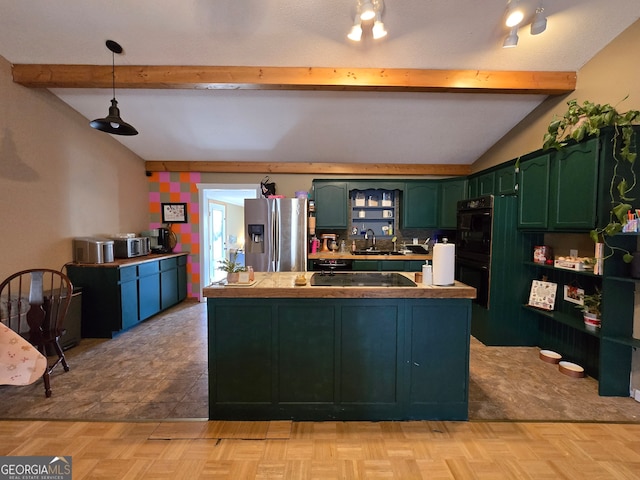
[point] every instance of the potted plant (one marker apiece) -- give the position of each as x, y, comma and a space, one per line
232, 267
587, 120
591, 309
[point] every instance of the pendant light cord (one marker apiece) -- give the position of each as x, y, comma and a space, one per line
113, 73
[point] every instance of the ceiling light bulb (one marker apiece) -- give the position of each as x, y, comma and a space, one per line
512, 39
515, 14
356, 33
378, 30
539, 23
367, 12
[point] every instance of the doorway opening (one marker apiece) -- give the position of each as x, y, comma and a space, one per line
221, 226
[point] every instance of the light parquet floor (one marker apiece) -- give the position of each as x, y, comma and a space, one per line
332, 450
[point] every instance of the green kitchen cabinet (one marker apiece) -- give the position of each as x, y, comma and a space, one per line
338, 359
573, 187
505, 180
450, 192
533, 194
499, 180
387, 265
148, 289
331, 200
568, 190
365, 265
618, 343
426, 384
117, 296
472, 186
128, 292
181, 272
486, 183
413, 265
420, 204
169, 289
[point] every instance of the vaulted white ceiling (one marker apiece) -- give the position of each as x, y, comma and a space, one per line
307, 126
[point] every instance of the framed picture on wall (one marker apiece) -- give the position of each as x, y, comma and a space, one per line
174, 212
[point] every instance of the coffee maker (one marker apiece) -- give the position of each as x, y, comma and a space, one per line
164, 239
160, 239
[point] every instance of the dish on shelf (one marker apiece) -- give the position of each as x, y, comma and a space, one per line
550, 356
571, 369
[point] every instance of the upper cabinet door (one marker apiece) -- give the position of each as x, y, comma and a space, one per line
506, 181
574, 182
486, 184
420, 204
450, 192
533, 195
331, 200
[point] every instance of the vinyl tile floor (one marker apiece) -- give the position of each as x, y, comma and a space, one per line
158, 371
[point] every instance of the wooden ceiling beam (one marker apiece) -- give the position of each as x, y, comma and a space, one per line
294, 78
404, 169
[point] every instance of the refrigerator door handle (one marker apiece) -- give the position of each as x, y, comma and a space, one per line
275, 236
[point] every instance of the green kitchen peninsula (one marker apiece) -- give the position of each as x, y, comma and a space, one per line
282, 351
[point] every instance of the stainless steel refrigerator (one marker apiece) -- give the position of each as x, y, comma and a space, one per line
276, 234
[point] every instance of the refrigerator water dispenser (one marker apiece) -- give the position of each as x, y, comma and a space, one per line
256, 236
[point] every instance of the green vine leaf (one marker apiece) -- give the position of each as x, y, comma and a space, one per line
612, 229
627, 258
622, 187
620, 212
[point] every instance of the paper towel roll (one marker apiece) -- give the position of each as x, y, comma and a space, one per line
444, 259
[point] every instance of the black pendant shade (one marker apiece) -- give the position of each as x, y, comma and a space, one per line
112, 123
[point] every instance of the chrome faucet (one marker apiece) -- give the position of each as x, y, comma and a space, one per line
373, 237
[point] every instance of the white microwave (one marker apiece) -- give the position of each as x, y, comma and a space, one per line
131, 247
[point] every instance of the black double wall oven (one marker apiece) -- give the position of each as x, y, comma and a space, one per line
473, 245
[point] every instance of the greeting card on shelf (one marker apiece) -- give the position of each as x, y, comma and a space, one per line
543, 294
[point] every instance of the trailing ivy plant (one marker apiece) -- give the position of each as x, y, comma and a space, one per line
585, 120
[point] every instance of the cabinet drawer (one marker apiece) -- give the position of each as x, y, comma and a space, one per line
148, 268
168, 264
128, 274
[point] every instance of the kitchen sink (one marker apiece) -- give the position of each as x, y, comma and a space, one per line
376, 252
361, 279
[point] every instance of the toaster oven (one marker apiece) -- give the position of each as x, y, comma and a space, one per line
92, 250
131, 247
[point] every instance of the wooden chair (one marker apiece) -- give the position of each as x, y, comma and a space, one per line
34, 303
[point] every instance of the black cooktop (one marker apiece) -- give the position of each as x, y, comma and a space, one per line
361, 279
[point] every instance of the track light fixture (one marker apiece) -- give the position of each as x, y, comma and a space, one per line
378, 29
512, 39
514, 14
539, 23
112, 123
514, 17
366, 11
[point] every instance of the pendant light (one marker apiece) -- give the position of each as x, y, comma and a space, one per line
112, 123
